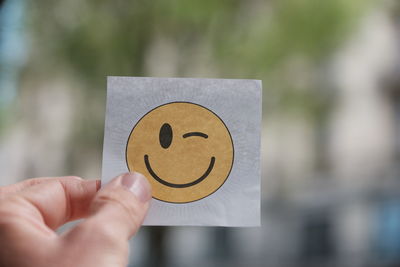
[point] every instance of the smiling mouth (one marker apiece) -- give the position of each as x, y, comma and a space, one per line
198, 180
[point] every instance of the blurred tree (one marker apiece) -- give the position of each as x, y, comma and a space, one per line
282, 42
251, 39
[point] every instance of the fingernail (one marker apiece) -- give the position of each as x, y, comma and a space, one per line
138, 185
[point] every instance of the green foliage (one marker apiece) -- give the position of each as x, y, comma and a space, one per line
282, 42
99, 38
247, 39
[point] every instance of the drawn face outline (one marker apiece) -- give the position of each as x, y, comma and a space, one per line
213, 160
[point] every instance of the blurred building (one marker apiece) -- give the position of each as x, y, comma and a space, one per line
331, 181
345, 210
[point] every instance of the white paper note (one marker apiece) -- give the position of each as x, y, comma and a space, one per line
197, 141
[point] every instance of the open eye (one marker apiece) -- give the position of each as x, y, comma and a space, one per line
200, 134
165, 135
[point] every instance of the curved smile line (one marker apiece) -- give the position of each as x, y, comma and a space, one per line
155, 176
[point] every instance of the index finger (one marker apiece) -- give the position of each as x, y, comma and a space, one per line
52, 202
13, 188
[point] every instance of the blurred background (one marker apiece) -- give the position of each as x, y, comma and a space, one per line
331, 113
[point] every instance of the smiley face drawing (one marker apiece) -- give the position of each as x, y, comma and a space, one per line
184, 149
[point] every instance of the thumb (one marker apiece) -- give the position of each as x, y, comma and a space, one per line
116, 212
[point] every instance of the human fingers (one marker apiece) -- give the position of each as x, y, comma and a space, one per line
117, 211
49, 203
13, 188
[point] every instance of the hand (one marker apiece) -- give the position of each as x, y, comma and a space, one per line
31, 211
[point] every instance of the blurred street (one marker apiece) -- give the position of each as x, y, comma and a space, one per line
331, 114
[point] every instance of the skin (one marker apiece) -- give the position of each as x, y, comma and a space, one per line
31, 211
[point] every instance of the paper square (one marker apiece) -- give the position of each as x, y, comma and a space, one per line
172, 129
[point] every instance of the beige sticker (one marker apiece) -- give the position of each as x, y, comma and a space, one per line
184, 149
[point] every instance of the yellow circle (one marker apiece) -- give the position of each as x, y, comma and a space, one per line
184, 149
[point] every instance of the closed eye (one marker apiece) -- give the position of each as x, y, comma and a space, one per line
195, 134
